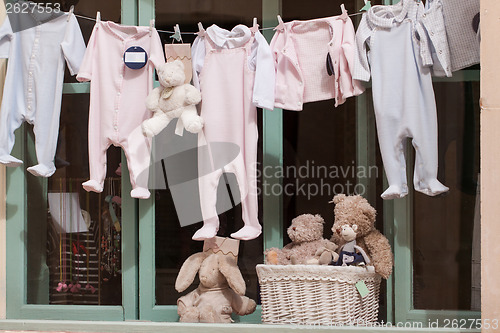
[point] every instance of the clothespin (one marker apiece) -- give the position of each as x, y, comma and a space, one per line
151, 26
254, 21
201, 30
281, 25
177, 34
368, 5
344, 12
98, 18
71, 10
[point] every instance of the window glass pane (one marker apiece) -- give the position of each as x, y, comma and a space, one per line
74, 248
446, 229
173, 243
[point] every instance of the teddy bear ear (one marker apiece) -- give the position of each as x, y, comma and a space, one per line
319, 219
338, 198
179, 63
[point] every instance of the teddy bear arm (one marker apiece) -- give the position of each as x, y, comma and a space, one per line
380, 250
152, 101
193, 95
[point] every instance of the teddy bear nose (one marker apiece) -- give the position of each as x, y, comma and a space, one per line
293, 228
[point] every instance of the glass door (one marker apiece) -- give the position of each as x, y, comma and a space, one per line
73, 254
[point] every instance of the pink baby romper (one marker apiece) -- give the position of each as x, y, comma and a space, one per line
117, 100
230, 114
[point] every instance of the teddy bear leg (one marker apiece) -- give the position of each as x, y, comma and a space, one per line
192, 121
154, 125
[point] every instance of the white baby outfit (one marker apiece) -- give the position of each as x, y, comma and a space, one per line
34, 83
396, 46
235, 73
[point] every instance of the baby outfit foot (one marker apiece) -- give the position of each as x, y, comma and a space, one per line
41, 170
10, 161
247, 233
92, 186
433, 188
140, 193
208, 231
393, 192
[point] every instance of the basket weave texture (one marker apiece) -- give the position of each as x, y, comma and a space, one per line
317, 295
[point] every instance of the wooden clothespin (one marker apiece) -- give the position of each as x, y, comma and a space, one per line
71, 10
98, 18
177, 34
201, 30
281, 25
254, 21
151, 26
367, 6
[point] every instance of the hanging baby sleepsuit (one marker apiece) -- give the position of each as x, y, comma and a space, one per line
117, 99
399, 46
235, 73
34, 83
301, 50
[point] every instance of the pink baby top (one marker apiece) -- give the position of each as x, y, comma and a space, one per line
117, 99
300, 50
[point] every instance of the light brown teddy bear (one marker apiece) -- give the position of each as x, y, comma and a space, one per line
308, 245
220, 292
356, 211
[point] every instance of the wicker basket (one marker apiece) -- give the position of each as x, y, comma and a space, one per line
317, 295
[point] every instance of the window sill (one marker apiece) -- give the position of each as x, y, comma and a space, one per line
144, 327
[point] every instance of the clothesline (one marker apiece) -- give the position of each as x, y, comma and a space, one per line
186, 33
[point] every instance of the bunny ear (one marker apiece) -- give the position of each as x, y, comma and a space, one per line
230, 270
188, 271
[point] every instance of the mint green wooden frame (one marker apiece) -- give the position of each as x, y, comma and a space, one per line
17, 307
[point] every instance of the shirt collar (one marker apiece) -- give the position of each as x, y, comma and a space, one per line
223, 38
387, 16
124, 32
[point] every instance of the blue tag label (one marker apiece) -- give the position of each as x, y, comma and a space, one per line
135, 57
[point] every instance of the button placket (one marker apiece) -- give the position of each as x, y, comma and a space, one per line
31, 68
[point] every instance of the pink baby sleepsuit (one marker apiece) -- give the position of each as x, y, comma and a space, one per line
236, 74
300, 51
117, 100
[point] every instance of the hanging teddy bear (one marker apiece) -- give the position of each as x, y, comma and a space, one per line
173, 99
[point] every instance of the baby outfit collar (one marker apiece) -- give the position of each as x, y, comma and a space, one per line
124, 32
226, 39
387, 16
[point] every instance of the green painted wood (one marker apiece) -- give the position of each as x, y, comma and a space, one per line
468, 75
272, 206
129, 12
146, 327
445, 318
130, 257
16, 232
37, 271
76, 88
72, 312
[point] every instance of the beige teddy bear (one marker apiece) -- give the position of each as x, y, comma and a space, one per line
308, 245
172, 99
355, 216
219, 294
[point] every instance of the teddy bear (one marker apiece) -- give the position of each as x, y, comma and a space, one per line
172, 99
308, 245
219, 294
354, 215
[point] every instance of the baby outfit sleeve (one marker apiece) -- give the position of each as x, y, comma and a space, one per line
156, 55
73, 45
197, 59
361, 63
348, 86
6, 35
85, 72
265, 75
